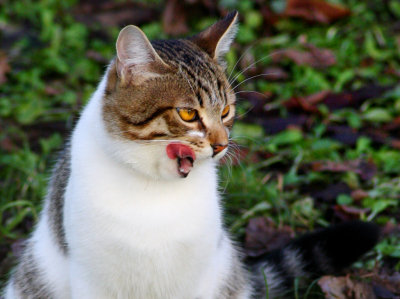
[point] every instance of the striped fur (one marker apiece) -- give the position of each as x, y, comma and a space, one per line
148, 111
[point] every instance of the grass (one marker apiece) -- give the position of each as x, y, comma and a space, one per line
56, 62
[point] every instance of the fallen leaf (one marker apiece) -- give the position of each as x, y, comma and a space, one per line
275, 73
174, 18
366, 169
389, 281
117, 13
335, 101
314, 57
392, 71
390, 229
359, 194
50, 90
315, 10
307, 103
262, 236
4, 68
346, 213
344, 287
394, 124
383, 292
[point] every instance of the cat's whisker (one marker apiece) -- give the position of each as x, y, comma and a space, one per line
257, 61
251, 91
243, 137
252, 77
229, 167
235, 148
245, 113
240, 58
232, 153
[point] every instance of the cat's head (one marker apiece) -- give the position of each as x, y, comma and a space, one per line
168, 105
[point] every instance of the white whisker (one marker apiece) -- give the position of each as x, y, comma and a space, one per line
245, 113
240, 58
244, 91
252, 77
257, 61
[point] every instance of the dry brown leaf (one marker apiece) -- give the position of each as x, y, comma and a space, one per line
344, 287
307, 103
346, 213
4, 67
315, 10
359, 194
366, 169
174, 18
262, 235
275, 73
117, 13
390, 282
315, 57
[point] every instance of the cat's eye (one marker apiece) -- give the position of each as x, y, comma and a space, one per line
225, 112
187, 114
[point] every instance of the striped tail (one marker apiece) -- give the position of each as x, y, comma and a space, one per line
322, 252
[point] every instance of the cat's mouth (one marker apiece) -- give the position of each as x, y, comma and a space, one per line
184, 156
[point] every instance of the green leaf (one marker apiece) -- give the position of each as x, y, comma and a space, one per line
253, 19
344, 199
242, 131
286, 137
394, 6
245, 35
377, 115
372, 49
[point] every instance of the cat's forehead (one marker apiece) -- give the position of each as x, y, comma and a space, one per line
204, 76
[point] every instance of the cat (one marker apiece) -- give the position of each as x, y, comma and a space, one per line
133, 209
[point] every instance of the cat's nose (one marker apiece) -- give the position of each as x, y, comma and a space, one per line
217, 148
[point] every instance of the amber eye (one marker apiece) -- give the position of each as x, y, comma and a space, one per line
225, 112
187, 114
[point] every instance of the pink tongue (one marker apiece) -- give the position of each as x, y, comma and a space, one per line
179, 150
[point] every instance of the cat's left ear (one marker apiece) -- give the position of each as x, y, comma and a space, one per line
137, 60
217, 39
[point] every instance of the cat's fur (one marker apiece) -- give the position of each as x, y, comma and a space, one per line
121, 221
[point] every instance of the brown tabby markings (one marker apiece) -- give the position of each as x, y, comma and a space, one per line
147, 110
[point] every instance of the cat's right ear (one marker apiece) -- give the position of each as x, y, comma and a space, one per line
217, 39
136, 58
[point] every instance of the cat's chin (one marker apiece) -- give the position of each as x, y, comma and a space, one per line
153, 161
170, 170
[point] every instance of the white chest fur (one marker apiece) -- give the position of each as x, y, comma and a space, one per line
133, 237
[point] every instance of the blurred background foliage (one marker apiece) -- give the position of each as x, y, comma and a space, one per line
317, 137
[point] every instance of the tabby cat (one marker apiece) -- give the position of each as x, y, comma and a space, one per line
133, 209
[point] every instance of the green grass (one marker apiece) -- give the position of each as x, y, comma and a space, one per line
57, 61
